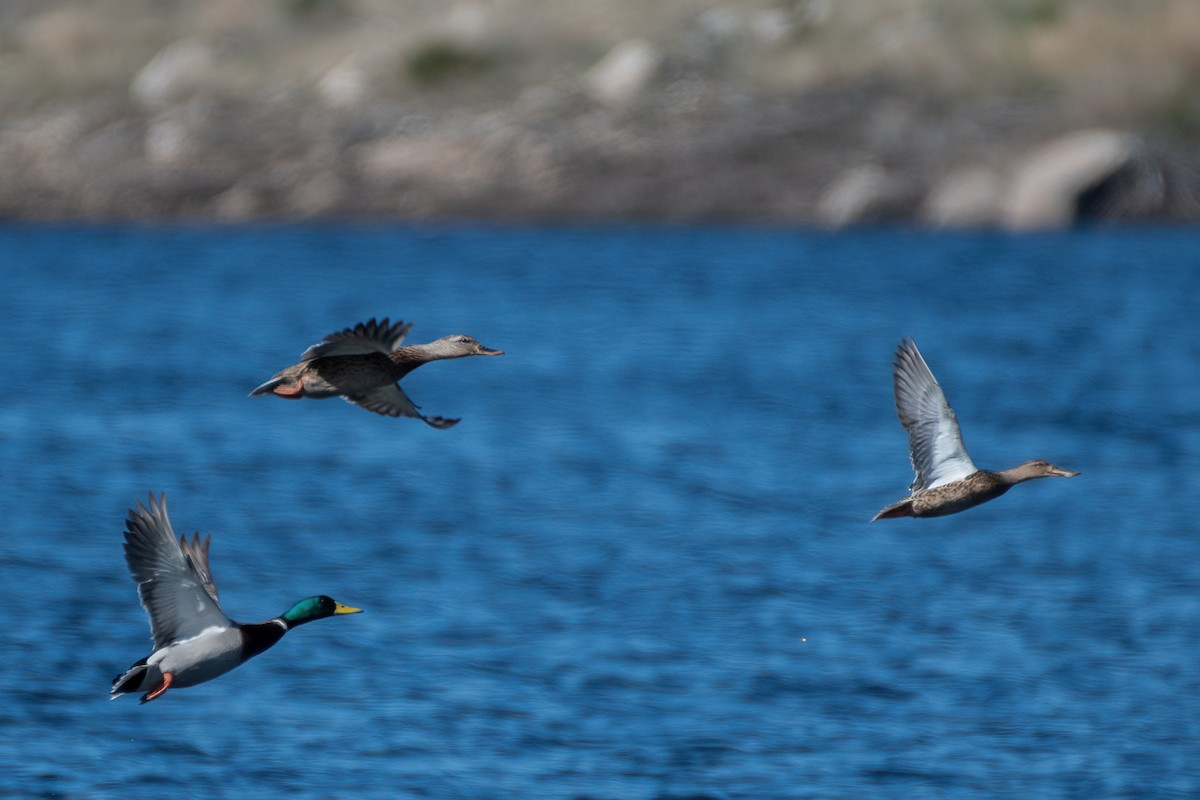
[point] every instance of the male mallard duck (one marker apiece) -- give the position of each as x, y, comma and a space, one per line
947, 481
193, 639
363, 364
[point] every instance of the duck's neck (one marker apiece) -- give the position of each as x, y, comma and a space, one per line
1023, 472
261, 636
408, 357
420, 353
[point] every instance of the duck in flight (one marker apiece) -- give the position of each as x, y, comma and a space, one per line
947, 480
193, 639
363, 365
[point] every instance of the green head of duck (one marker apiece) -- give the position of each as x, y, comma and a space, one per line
317, 607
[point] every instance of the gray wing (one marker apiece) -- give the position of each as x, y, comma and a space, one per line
173, 580
934, 441
363, 338
391, 401
195, 553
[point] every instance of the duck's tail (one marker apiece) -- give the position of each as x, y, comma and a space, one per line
903, 508
131, 681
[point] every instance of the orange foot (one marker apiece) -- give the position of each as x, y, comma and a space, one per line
290, 392
157, 692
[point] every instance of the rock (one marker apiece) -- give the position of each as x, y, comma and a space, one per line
64, 37
237, 204
116, 142
175, 74
862, 194
966, 198
170, 140
52, 135
457, 167
41, 153
468, 23
1047, 183
771, 26
623, 73
764, 26
318, 195
346, 84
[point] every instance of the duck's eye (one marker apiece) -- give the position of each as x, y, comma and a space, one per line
465, 339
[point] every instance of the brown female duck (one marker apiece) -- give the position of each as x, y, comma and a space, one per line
363, 364
947, 481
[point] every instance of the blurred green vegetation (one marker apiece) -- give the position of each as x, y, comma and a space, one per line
1033, 14
435, 62
1179, 115
308, 9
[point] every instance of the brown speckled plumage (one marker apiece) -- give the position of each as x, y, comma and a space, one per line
946, 479
363, 364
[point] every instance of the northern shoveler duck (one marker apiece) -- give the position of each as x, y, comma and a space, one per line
193, 639
363, 365
947, 480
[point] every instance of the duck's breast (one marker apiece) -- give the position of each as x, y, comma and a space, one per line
958, 496
210, 653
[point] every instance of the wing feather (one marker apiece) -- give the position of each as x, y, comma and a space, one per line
365, 337
391, 401
196, 554
934, 440
173, 580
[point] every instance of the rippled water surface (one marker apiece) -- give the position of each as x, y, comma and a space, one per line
641, 566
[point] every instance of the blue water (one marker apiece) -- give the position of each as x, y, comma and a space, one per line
641, 566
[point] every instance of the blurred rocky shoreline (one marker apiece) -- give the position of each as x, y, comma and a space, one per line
637, 133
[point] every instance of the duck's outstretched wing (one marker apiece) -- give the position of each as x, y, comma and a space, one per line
391, 401
934, 441
173, 579
365, 337
195, 553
